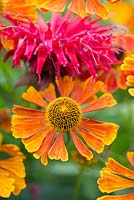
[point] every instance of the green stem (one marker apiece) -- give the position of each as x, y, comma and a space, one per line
77, 185
130, 106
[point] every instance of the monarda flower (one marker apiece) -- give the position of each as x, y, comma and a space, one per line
79, 7
63, 46
128, 67
43, 132
116, 177
12, 170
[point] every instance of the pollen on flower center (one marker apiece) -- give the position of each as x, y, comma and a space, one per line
63, 113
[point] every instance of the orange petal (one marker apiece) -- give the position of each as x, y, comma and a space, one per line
93, 142
5, 120
130, 80
12, 150
116, 168
33, 142
95, 7
110, 81
75, 93
27, 122
110, 182
1, 139
52, 5
105, 101
88, 89
117, 197
6, 184
65, 85
23, 130
58, 150
33, 96
19, 185
81, 147
114, 1
14, 165
49, 93
121, 79
130, 157
6, 43
28, 112
44, 148
23, 8
131, 92
104, 131
128, 64
78, 7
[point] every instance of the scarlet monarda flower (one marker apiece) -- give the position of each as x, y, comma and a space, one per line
43, 131
65, 45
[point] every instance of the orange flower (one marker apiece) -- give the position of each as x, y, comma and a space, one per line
5, 120
128, 67
116, 14
43, 131
12, 171
79, 7
116, 177
19, 10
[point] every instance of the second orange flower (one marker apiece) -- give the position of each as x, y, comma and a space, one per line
43, 132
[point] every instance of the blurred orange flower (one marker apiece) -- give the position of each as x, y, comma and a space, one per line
12, 171
116, 177
77, 158
5, 119
128, 67
19, 10
117, 14
43, 131
79, 7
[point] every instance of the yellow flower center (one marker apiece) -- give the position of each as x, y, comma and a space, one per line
63, 114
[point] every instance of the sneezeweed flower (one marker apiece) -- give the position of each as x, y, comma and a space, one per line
65, 45
12, 170
128, 67
5, 120
116, 177
19, 10
43, 131
79, 7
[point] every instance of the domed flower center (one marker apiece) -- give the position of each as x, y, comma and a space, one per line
63, 113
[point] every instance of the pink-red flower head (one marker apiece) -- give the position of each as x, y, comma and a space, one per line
66, 44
